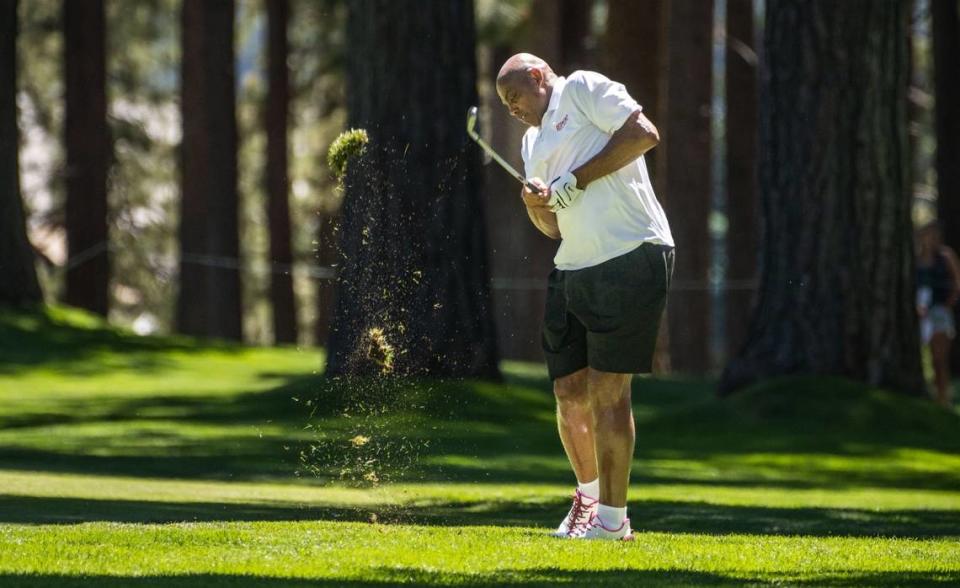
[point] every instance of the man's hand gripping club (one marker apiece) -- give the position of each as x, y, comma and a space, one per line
561, 193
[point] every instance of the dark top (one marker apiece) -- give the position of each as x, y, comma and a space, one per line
937, 277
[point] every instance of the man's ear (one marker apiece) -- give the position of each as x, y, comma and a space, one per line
537, 76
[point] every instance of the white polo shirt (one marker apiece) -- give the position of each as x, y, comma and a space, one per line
616, 213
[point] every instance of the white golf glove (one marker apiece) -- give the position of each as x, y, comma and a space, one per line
563, 191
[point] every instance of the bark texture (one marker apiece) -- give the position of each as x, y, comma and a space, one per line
278, 187
634, 55
18, 286
946, 58
87, 144
742, 136
836, 292
209, 297
683, 167
413, 252
632, 51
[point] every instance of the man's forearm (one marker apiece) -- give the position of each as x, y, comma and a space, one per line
636, 137
545, 221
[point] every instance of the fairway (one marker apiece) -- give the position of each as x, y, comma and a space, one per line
129, 461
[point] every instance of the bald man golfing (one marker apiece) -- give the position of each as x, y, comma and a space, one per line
584, 152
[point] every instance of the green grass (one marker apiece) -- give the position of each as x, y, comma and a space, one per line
128, 461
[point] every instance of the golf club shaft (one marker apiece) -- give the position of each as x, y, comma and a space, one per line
530, 185
519, 177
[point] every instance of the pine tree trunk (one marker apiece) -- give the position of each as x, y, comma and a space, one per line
278, 208
836, 288
683, 167
742, 136
632, 51
946, 58
413, 252
88, 150
19, 284
634, 45
574, 33
209, 297
326, 287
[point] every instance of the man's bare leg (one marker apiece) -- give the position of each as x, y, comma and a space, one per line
575, 422
940, 352
614, 433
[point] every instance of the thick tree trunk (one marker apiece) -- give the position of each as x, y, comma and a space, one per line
278, 208
88, 150
634, 48
326, 286
574, 33
946, 58
559, 33
209, 297
742, 135
683, 167
413, 255
19, 284
836, 292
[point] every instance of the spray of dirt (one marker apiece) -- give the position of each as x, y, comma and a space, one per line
379, 350
365, 427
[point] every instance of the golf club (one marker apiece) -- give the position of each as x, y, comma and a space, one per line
472, 131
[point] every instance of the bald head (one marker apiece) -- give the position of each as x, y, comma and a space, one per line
524, 84
520, 65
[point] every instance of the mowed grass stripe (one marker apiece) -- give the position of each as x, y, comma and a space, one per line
385, 552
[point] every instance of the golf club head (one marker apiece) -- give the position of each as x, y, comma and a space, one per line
472, 122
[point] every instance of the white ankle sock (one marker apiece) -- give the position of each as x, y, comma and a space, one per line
590, 489
611, 516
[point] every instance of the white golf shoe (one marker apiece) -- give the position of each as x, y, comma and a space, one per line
595, 529
584, 508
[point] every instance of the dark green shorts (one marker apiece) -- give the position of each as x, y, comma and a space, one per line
607, 316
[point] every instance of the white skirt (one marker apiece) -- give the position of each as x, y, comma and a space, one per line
939, 319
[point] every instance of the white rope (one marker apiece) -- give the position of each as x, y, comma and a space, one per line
326, 272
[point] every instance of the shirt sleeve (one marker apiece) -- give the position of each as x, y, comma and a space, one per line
604, 102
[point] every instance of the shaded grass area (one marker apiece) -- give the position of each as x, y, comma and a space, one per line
650, 516
110, 442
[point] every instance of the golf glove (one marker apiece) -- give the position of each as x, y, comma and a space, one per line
563, 191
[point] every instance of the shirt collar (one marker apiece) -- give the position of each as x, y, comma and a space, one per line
558, 85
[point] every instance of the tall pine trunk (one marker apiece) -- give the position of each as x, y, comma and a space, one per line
278, 208
634, 56
742, 136
633, 43
412, 239
209, 297
683, 167
326, 255
946, 58
574, 33
19, 284
836, 288
88, 150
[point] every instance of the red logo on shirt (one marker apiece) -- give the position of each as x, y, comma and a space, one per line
559, 126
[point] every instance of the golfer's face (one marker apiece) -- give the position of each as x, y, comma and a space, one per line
524, 101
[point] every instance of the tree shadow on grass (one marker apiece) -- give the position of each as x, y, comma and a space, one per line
647, 516
55, 336
279, 404
529, 578
490, 434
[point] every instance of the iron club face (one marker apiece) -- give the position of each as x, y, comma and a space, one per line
472, 122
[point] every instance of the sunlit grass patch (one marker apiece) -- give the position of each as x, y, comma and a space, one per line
150, 461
